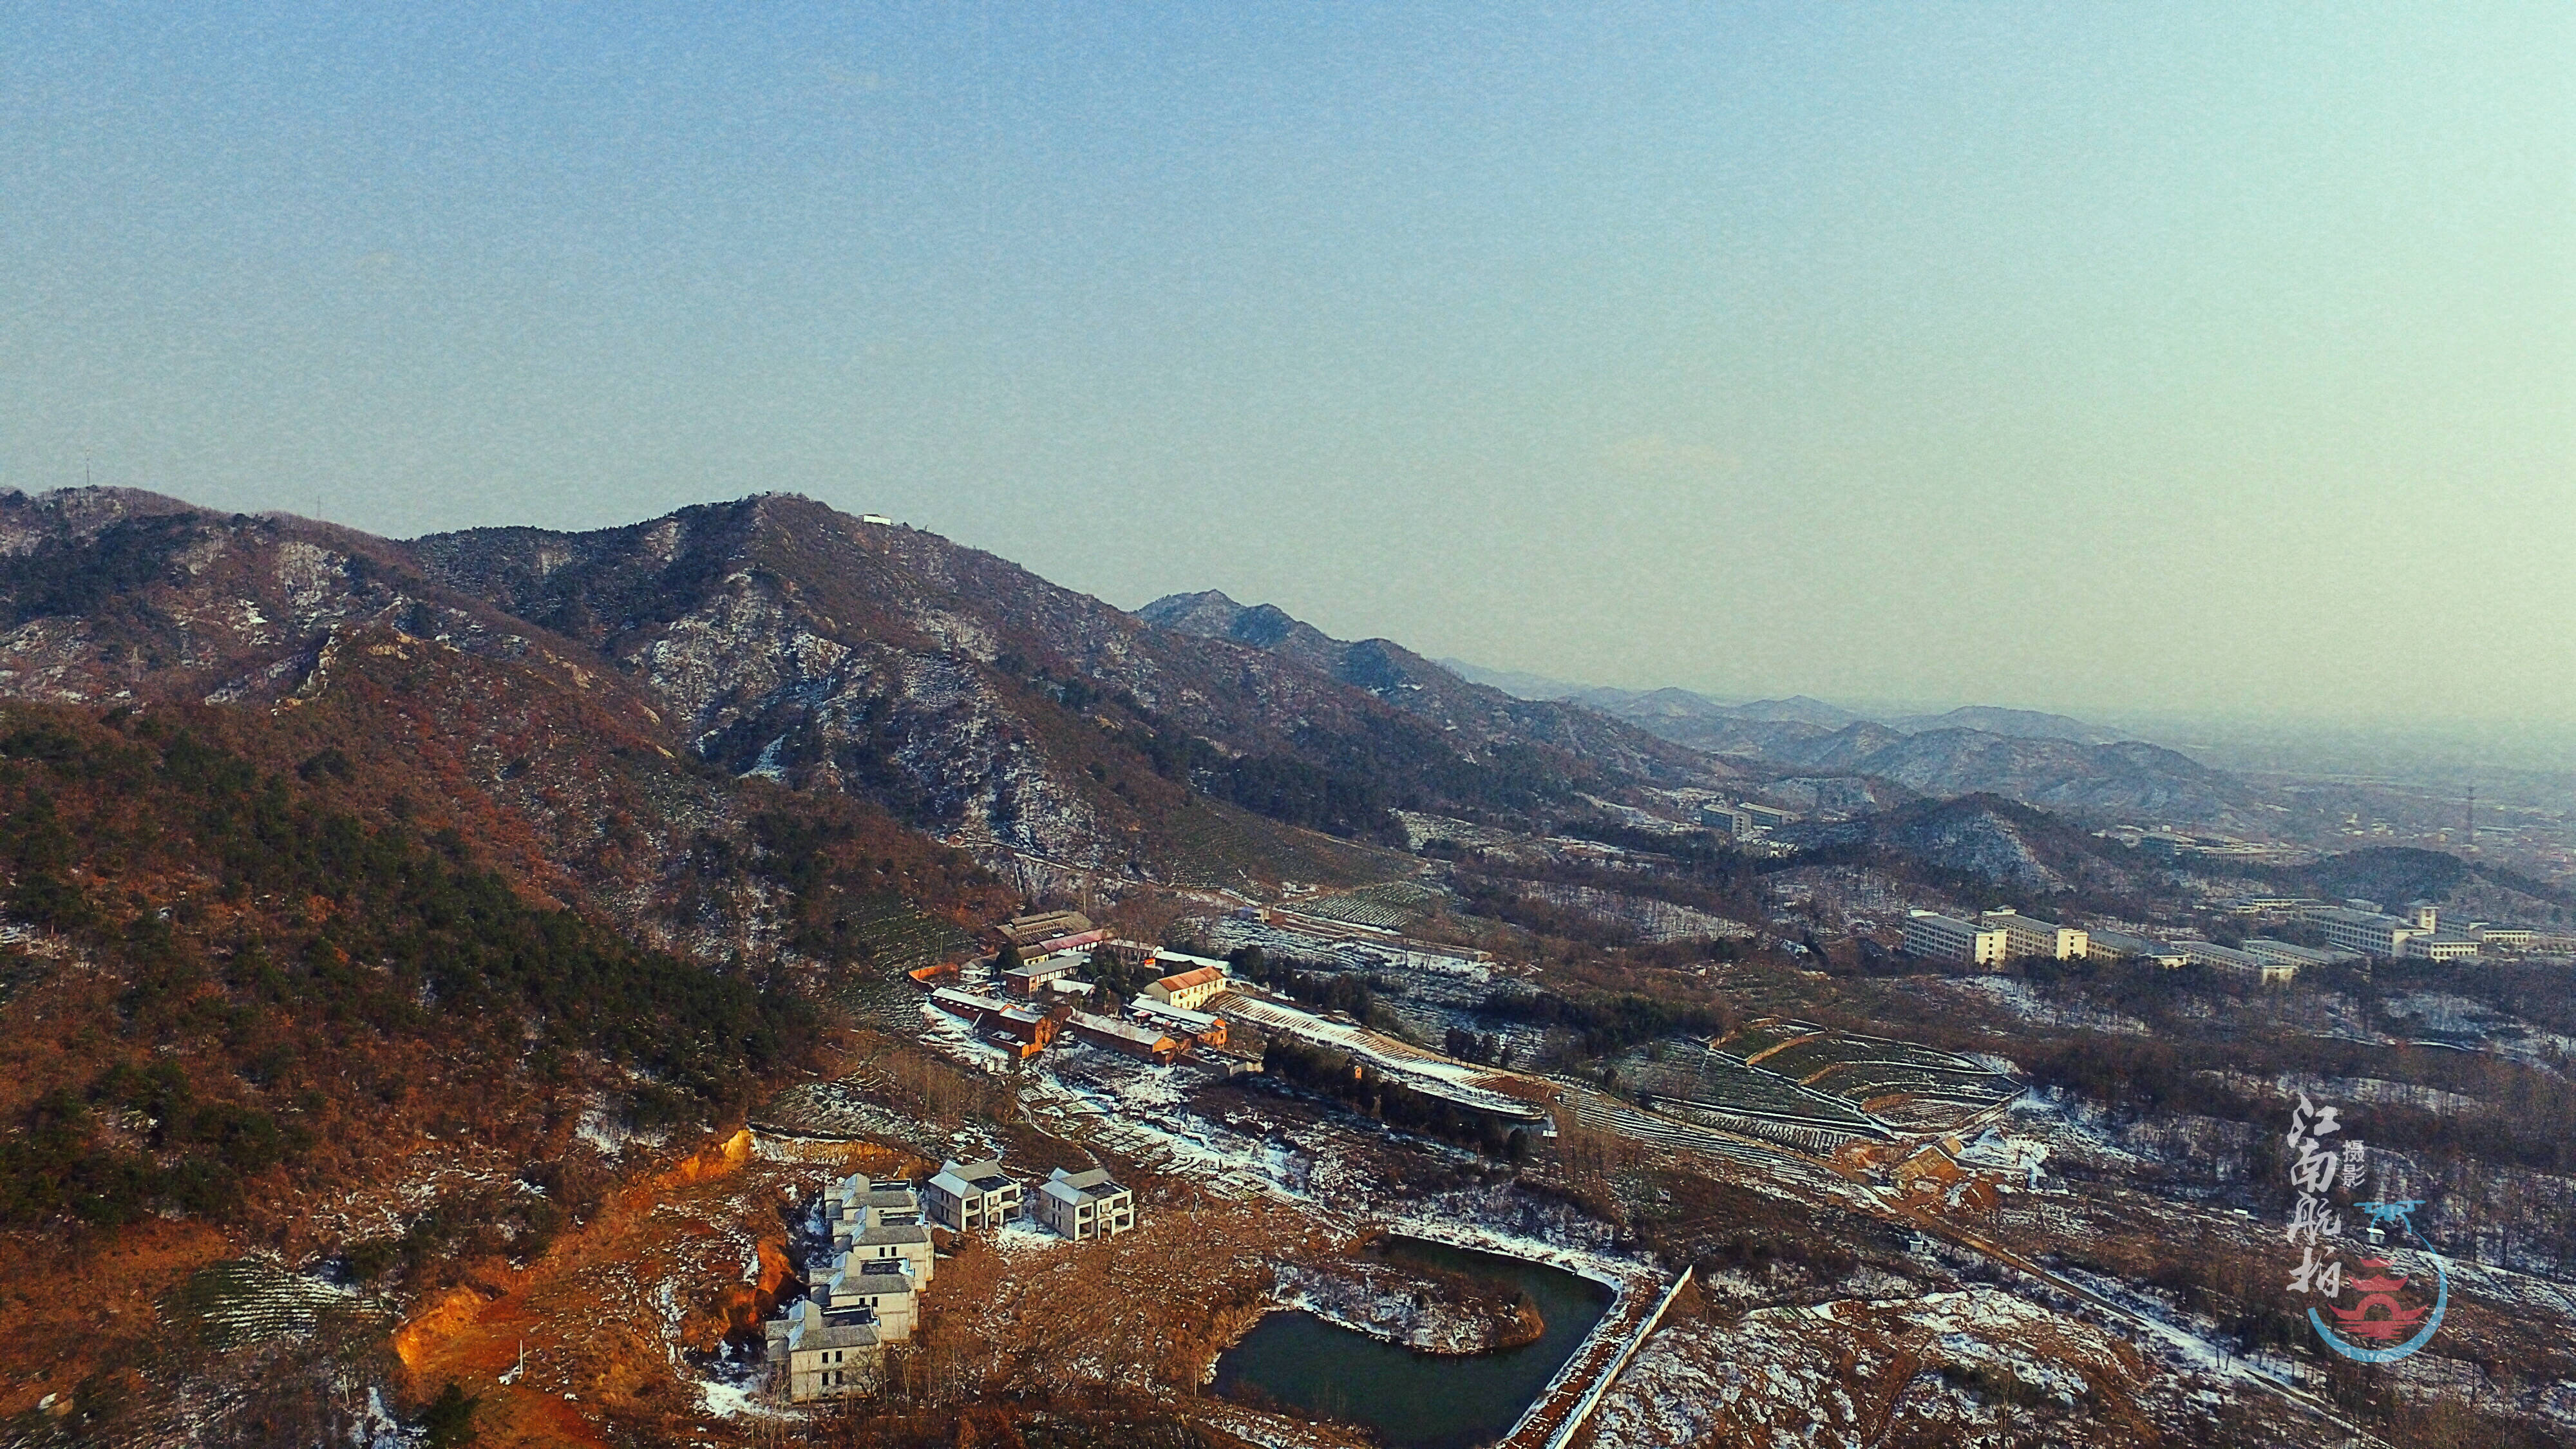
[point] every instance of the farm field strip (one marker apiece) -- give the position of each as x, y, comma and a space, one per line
1718, 1081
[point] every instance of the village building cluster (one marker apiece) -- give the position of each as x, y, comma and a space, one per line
1053, 980
1045, 995
831, 1343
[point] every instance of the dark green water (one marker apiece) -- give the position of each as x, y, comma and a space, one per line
1419, 1400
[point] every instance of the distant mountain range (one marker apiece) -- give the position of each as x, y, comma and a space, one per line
2048, 760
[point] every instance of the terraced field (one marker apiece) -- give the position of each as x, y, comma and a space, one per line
1804, 1058
1768, 1034
1860, 1068
1703, 1077
1604, 1113
1818, 1138
243, 1301
843, 1111
1395, 905
900, 938
1863, 1081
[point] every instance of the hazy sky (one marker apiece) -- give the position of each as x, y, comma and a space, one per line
2102, 357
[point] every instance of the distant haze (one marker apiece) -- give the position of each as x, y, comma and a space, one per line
2196, 359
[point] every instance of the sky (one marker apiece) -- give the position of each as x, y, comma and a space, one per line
2090, 357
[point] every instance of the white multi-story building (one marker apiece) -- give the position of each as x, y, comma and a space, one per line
2029, 936
2228, 958
2371, 934
2290, 954
1947, 938
883, 1289
1728, 821
971, 1196
2441, 946
1082, 1205
2121, 946
831, 1344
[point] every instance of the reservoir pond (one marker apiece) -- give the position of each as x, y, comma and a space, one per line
1418, 1400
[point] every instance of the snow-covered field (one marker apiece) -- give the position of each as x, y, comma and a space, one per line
1976, 1366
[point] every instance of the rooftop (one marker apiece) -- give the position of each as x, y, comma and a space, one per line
1124, 1030
1180, 1016
894, 1233
1093, 1184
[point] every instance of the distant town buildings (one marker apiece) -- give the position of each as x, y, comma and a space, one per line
1728, 821
1947, 938
2026, 936
2385, 937
2125, 946
2286, 953
2228, 958
1745, 821
2441, 946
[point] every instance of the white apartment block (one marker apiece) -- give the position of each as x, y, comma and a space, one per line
2288, 954
831, 1343
2028, 936
2121, 946
882, 1289
2228, 958
2369, 933
1947, 938
2441, 946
